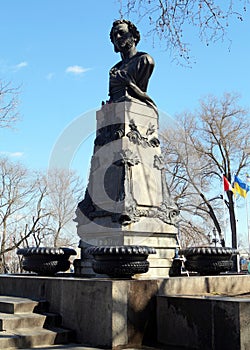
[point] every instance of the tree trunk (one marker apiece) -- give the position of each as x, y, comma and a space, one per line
233, 228
214, 218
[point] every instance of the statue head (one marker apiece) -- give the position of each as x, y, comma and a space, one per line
132, 35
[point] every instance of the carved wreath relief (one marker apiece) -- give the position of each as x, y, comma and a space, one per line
145, 141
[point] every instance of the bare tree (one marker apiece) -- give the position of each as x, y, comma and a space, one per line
64, 191
25, 230
17, 193
35, 209
209, 142
169, 20
187, 183
8, 105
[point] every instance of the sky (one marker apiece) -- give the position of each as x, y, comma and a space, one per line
59, 53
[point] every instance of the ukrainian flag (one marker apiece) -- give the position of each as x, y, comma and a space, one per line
240, 187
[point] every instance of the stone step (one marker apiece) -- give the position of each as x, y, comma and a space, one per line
34, 337
8, 340
72, 347
15, 305
82, 347
22, 327
15, 321
61, 347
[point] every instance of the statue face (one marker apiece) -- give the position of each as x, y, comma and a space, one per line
123, 39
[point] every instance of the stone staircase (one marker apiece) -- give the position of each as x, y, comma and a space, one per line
25, 323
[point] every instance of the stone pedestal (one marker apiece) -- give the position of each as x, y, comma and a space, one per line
127, 201
203, 322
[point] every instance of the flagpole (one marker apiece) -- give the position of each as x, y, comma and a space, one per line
224, 207
236, 218
247, 210
236, 221
248, 229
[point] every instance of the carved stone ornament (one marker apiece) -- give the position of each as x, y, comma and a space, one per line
168, 211
138, 139
128, 159
118, 186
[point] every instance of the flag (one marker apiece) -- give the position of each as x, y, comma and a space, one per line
241, 187
227, 185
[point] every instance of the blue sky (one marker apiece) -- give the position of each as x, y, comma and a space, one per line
60, 53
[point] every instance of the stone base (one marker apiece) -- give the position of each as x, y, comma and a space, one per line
127, 200
119, 314
83, 268
104, 313
204, 322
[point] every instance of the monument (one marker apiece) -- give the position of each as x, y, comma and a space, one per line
127, 200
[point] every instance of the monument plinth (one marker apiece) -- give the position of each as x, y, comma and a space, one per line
127, 200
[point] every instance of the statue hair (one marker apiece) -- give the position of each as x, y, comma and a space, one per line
132, 28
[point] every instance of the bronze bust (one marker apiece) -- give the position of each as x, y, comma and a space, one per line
129, 77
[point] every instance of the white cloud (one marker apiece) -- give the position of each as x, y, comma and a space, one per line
20, 65
76, 70
6, 68
12, 154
